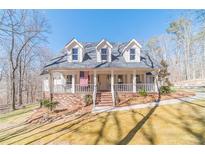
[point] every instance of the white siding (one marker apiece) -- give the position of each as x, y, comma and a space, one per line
45, 85
58, 79
98, 52
126, 53
80, 52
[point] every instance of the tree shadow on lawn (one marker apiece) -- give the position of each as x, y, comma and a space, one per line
74, 126
30, 127
136, 128
67, 123
81, 123
67, 128
186, 119
101, 135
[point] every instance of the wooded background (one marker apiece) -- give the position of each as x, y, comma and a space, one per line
24, 52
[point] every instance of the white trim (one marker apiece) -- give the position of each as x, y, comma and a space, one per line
74, 40
103, 40
131, 41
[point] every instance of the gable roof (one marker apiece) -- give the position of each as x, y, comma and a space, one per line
90, 59
73, 40
102, 41
131, 41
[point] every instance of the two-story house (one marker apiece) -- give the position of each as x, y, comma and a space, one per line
102, 69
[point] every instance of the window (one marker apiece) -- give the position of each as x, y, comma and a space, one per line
104, 54
132, 54
69, 79
75, 53
120, 79
138, 79
81, 74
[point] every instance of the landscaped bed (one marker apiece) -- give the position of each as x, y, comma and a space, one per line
151, 97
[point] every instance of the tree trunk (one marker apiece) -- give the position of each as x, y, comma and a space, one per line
20, 84
13, 91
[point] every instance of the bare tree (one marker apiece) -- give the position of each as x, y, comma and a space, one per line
20, 29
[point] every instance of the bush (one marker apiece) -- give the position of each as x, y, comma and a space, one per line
88, 99
48, 104
173, 89
142, 92
165, 90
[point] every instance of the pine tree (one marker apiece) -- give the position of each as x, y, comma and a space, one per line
163, 76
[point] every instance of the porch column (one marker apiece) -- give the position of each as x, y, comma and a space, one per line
73, 83
51, 84
145, 78
112, 87
95, 80
134, 81
155, 83
95, 88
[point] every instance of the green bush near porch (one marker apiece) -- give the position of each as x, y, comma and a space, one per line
143, 92
165, 90
48, 104
88, 99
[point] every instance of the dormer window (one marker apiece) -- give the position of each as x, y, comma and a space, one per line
132, 54
104, 54
75, 54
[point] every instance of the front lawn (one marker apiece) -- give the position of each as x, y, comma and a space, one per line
17, 116
171, 124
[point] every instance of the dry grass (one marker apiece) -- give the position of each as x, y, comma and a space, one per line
151, 97
172, 124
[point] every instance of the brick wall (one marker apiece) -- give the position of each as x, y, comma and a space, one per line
67, 100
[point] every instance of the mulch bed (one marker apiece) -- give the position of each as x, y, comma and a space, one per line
153, 97
43, 115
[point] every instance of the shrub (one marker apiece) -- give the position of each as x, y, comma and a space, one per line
165, 90
48, 104
173, 89
142, 92
88, 99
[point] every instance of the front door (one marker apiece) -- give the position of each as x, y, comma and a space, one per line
103, 82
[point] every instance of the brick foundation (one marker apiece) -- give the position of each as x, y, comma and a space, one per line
67, 100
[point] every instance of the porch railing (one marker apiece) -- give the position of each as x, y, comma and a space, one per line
68, 88
60, 88
149, 87
123, 87
80, 88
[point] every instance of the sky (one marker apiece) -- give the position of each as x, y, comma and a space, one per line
113, 25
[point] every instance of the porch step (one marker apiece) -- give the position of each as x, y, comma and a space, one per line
104, 99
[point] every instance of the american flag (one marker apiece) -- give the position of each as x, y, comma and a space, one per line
84, 79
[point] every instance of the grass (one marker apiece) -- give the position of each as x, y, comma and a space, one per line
17, 116
171, 124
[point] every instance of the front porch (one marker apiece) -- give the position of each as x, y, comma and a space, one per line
97, 81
